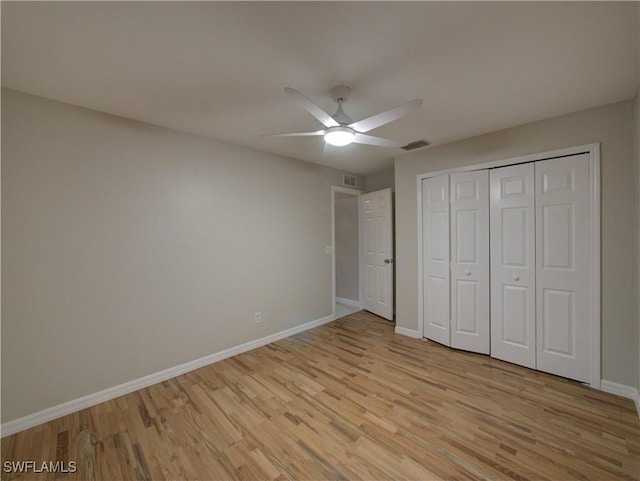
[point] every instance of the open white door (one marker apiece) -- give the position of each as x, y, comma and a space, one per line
470, 261
376, 213
435, 258
513, 274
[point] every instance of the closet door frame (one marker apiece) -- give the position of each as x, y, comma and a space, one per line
594, 229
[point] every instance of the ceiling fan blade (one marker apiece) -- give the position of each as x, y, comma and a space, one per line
379, 141
377, 120
312, 108
295, 134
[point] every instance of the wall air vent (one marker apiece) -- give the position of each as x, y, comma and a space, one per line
349, 180
415, 145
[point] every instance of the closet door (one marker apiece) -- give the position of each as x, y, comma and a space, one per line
563, 267
435, 256
513, 318
470, 261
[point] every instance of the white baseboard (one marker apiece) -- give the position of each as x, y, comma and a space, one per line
349, 302
54, 412
622, 390
403, 331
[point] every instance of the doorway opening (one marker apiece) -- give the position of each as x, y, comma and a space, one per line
346, 251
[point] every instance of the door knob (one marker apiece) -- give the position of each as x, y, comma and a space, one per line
387, 261
516, 278
467, 273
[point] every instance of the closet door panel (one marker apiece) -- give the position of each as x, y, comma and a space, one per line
470, 261
435, 254
563, 327
512, 231
515, 307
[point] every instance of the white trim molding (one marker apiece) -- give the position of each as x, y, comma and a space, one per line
403, 331
349, 302
54, 412
623, 390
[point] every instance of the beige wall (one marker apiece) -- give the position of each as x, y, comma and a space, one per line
612, 126
128, 249
380, 180
347, 268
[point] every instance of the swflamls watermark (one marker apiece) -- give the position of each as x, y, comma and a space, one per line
39, 467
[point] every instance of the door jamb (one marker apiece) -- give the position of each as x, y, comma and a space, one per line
594, 228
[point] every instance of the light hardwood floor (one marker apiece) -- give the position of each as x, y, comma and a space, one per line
348, 400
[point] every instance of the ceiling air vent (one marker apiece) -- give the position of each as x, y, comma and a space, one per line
415, 145
350, 180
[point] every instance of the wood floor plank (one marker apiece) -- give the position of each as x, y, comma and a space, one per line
350, 400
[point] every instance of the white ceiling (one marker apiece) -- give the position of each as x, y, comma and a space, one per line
218, 69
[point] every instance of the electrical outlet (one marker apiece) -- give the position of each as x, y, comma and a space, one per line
328, 250
258, 317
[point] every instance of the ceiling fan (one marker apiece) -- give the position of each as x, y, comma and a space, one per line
340, 129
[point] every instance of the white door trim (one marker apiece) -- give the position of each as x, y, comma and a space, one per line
594, 167
594, 254
343, 190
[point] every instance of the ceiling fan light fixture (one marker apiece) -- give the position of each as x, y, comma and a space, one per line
340, 129
339, 136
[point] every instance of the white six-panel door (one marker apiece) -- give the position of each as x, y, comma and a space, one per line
563, 271
469, 193
435, 256
513, 299
378, 252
